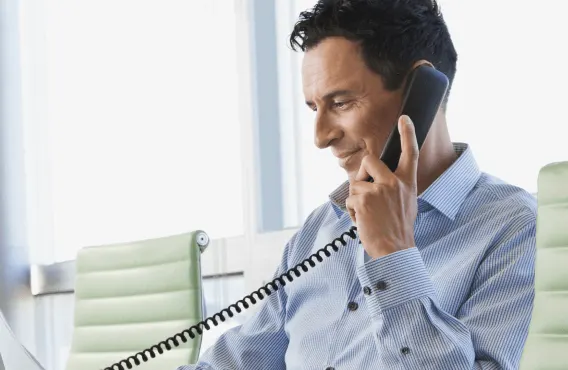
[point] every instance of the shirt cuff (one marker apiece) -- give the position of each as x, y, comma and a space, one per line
395, 279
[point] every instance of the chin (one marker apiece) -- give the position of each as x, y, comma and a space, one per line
351, 165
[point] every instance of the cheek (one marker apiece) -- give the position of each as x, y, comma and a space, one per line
369, 125
377, 128
354, 124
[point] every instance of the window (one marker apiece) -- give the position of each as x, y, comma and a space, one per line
137, 125
504, 100
309, 174
143, 120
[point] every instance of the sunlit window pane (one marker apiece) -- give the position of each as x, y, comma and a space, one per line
143, 118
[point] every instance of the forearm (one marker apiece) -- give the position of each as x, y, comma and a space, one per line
428, 338
412, 331
417, 335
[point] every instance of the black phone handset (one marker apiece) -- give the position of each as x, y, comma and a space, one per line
424, 92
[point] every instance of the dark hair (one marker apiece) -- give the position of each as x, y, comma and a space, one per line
393, 34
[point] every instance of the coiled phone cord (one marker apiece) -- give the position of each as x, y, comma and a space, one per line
174, 341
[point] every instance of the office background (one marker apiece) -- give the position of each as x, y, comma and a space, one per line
124, 120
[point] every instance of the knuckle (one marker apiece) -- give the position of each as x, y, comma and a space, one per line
415, 151
393, 182
351, 202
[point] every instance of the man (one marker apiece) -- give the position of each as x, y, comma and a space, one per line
441, 276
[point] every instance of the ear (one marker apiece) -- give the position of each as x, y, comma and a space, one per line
421, 62
416, 65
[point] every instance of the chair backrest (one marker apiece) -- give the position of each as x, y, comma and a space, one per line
13, 355
547, 343
131, 296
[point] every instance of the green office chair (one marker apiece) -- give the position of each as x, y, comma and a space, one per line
547, 343
131, 296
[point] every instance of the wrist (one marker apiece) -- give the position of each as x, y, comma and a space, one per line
384, 248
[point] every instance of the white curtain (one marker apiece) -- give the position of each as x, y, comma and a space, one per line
142, 135
508, 97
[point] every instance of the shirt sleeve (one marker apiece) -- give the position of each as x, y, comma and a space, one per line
488, 331
260, 343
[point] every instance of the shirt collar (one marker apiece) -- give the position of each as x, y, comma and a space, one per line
446, 194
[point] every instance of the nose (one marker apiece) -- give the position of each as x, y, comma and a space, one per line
325, 131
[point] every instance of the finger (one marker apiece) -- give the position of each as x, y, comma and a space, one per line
408, 163
350, 206
360, 187
374, 167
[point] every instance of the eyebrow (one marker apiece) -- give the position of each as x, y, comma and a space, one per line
333, 94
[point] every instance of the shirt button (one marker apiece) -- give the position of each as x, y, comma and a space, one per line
367, 290
405, 350
330, 368
352, 306
381, 285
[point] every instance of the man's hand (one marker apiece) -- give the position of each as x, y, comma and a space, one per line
385, 210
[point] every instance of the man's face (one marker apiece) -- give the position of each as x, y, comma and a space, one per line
354, 112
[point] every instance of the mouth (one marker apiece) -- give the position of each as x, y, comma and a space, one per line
345, 158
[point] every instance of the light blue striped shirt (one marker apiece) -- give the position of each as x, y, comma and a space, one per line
462, 299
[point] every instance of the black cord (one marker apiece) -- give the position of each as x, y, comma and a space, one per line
174, 341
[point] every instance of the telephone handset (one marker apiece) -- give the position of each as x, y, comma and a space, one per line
424, 92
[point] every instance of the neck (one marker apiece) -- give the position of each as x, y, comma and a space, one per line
436, 155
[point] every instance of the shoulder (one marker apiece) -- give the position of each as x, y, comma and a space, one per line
502, 209
510, 200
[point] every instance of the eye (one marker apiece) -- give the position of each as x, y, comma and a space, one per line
340, 105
